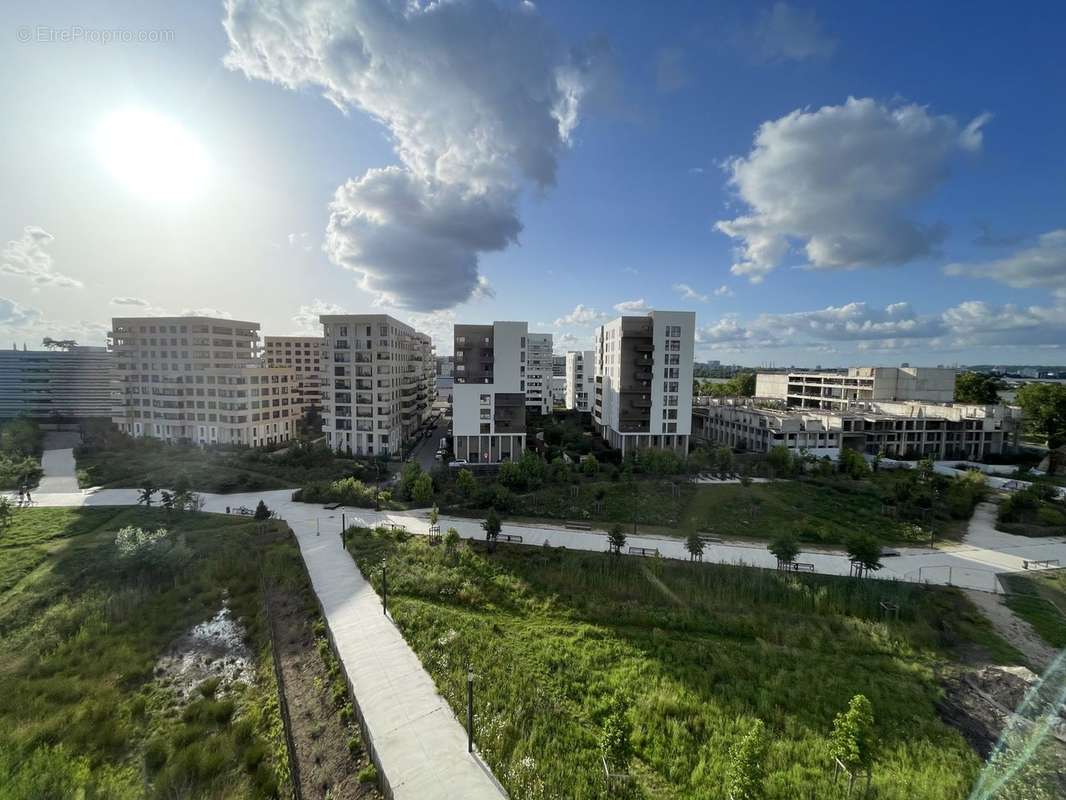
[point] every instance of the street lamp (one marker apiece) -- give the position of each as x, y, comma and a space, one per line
469, 709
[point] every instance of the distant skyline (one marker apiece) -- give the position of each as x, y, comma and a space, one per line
820, 186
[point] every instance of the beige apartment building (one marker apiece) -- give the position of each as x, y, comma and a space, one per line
301, 354
199, 380
378, 382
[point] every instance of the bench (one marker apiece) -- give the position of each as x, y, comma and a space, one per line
510, 537
578, 526
333, 507
706, 538
1046, 563
801, 566
643, 551
396, 527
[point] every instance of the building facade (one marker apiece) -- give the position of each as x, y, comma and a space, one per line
56, 384
906, 429
539, 362
559, 366
378, 382
580, 380
643, 383
301, 354
199, 380
489, 395
558, 391
837, 390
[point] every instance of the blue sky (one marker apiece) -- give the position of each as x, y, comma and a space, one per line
562, 155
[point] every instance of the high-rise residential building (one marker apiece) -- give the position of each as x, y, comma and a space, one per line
839, 390
199, 380
489, 396
302, 355
643, 384
378, 382
580, 380
72, 383
558, 384
559, 366
444, 366
538, 373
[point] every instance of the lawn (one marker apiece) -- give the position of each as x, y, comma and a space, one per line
129, 463
695, 653
1040, 599
84, 708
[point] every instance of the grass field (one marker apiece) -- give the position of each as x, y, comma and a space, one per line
1040, 599
83, 712
825, 510
695, 653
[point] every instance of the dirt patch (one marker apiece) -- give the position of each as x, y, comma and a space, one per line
214, 649
1014, 629
327, 762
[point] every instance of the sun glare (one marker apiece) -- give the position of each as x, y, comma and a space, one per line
152, 155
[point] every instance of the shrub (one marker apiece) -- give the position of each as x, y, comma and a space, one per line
368, 774
614, 739
746, 767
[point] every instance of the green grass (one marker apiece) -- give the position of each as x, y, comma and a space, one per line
697, 651
1040, 599
81, 711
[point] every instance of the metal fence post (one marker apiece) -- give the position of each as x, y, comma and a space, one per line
469, 710
384, 590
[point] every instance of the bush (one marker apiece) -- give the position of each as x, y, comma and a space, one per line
368, 774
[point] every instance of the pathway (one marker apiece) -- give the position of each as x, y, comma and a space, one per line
1015, 630
58, 463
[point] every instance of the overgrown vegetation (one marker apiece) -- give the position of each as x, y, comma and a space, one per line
1035, 511
90, 599
111, 459
20, 453
699, 652
1040, 599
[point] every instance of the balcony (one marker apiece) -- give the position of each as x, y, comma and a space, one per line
642, 375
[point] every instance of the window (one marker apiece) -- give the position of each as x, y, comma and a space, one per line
486, 398
486, 413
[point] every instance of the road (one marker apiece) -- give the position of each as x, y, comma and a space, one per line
426, 450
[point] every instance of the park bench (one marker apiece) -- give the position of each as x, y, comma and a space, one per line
510, 537
706, 538
333, 507
395, 527
643, 551
801, 566
1046, 563
577, 526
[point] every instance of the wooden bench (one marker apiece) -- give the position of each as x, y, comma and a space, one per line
578, 526
801, 566
1046, 563
643, 551
510, 537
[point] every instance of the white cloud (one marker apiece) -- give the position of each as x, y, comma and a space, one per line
306, 317
301, 241
14, 315
1042, 266
723, 291
630, 306
671, 74
478, 99
483, 290
130, 301
631, 270
29, 259
787, 33
843, 181
581, 315
206, 311
688, 293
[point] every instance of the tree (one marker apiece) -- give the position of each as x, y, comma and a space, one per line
975, 387
434, 515
492, 526
865, 550
747, 768
616, 538
422, 491
926, 469
148, 491
6, 512
614, 740
166, 500
589, 465
852, 739
723, 458
852, 464
465, 483
410, 475
785, 548
262, 513
781, 460
694, 545
1044, 405
451, 539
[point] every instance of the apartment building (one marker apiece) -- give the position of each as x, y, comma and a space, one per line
539, 365
73, 383
559, 366
199, 380
489, 395
378, 382
643, 383
906, 429
838, 390
301, 354
580, 380
558, 391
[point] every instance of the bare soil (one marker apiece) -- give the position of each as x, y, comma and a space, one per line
326, 763
1014, 629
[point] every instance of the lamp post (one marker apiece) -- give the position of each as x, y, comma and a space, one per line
384, 590
469, 709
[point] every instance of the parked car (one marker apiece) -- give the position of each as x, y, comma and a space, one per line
459, 462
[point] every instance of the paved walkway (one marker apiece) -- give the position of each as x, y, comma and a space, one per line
58, 463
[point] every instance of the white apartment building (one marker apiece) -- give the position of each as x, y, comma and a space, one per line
301, 354
837, 390
643, 384
558, 384
378, 382
73, 383
539, 362
559, 366
489, 395
199, 380
580, 380
898, 429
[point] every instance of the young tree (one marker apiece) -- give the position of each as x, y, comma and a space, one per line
434, 515
422, 491
1044, 405
723, 457
465, 483
975, 387
148, 491
852, 740
781, 460
865, 550
492, 526
166, 500
616, 538
589, 465
747, 768
614, 740
785, 548
926, 469
452, 539
694, 545
262, 513
6, 512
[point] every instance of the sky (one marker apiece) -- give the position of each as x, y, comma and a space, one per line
822, 183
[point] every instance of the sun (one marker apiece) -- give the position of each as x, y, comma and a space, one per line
152, 155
